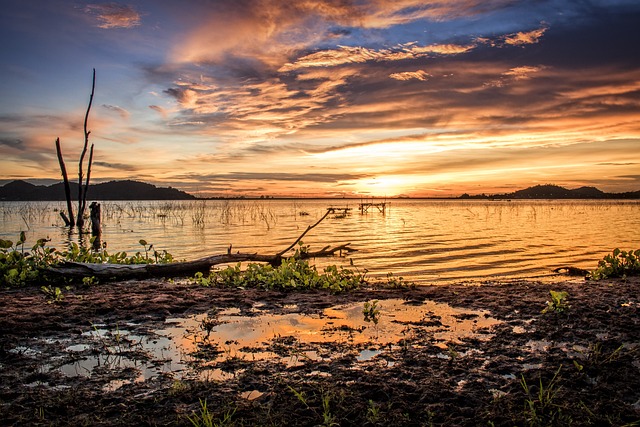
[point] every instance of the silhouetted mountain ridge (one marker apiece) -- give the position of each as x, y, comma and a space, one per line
113, 190
549, 191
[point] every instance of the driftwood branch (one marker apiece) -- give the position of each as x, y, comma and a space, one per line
187, 268
203, 265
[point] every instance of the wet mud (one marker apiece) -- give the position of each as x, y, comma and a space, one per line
153, 352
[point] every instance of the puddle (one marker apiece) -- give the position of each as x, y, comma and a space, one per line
367, 355
341, 324
196, 346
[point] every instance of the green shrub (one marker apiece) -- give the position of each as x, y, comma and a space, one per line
20, 266
292, 274
617, 264
558, 303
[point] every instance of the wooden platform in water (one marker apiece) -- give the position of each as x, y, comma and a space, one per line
381, 206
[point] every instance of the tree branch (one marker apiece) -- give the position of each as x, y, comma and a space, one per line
81, 202
67, 189
309, 228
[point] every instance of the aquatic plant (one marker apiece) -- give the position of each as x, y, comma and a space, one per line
397, 282
20, 266
558, 303
617, 264
371, 312
292, 274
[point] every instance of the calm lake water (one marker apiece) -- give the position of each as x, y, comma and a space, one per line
421, 240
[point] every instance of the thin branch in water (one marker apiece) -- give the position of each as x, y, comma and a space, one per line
86, 185
309, 228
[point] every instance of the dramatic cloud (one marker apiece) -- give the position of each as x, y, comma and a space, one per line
357, 96
270, 31
353, 55
259, 110
114, 15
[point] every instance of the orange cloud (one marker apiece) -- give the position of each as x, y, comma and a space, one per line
442, 49
386, 13
271, 31
114, 15
524, 72
409, 75
352, 55
524, 38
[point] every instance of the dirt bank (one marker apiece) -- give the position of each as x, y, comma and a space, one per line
577, 367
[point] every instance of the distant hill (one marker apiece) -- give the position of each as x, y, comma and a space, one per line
112, 190
549, 191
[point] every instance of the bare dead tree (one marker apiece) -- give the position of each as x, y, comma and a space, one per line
70, 221
82, 191
78, 220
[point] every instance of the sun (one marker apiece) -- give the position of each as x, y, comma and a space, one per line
382, 186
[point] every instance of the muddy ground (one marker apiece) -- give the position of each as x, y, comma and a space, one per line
578, 367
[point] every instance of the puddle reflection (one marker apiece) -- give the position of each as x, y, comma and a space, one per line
198, 346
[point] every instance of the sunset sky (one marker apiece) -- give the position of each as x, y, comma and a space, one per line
325, 98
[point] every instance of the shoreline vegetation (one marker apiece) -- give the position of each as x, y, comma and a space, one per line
129, 190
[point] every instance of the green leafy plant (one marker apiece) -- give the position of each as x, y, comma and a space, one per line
200, 279
617, 264
558, 303
54, 294
395, 282
292, 274
371, 312
19, 266
90, 280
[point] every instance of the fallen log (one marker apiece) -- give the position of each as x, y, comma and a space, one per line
107, 272
186, 268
